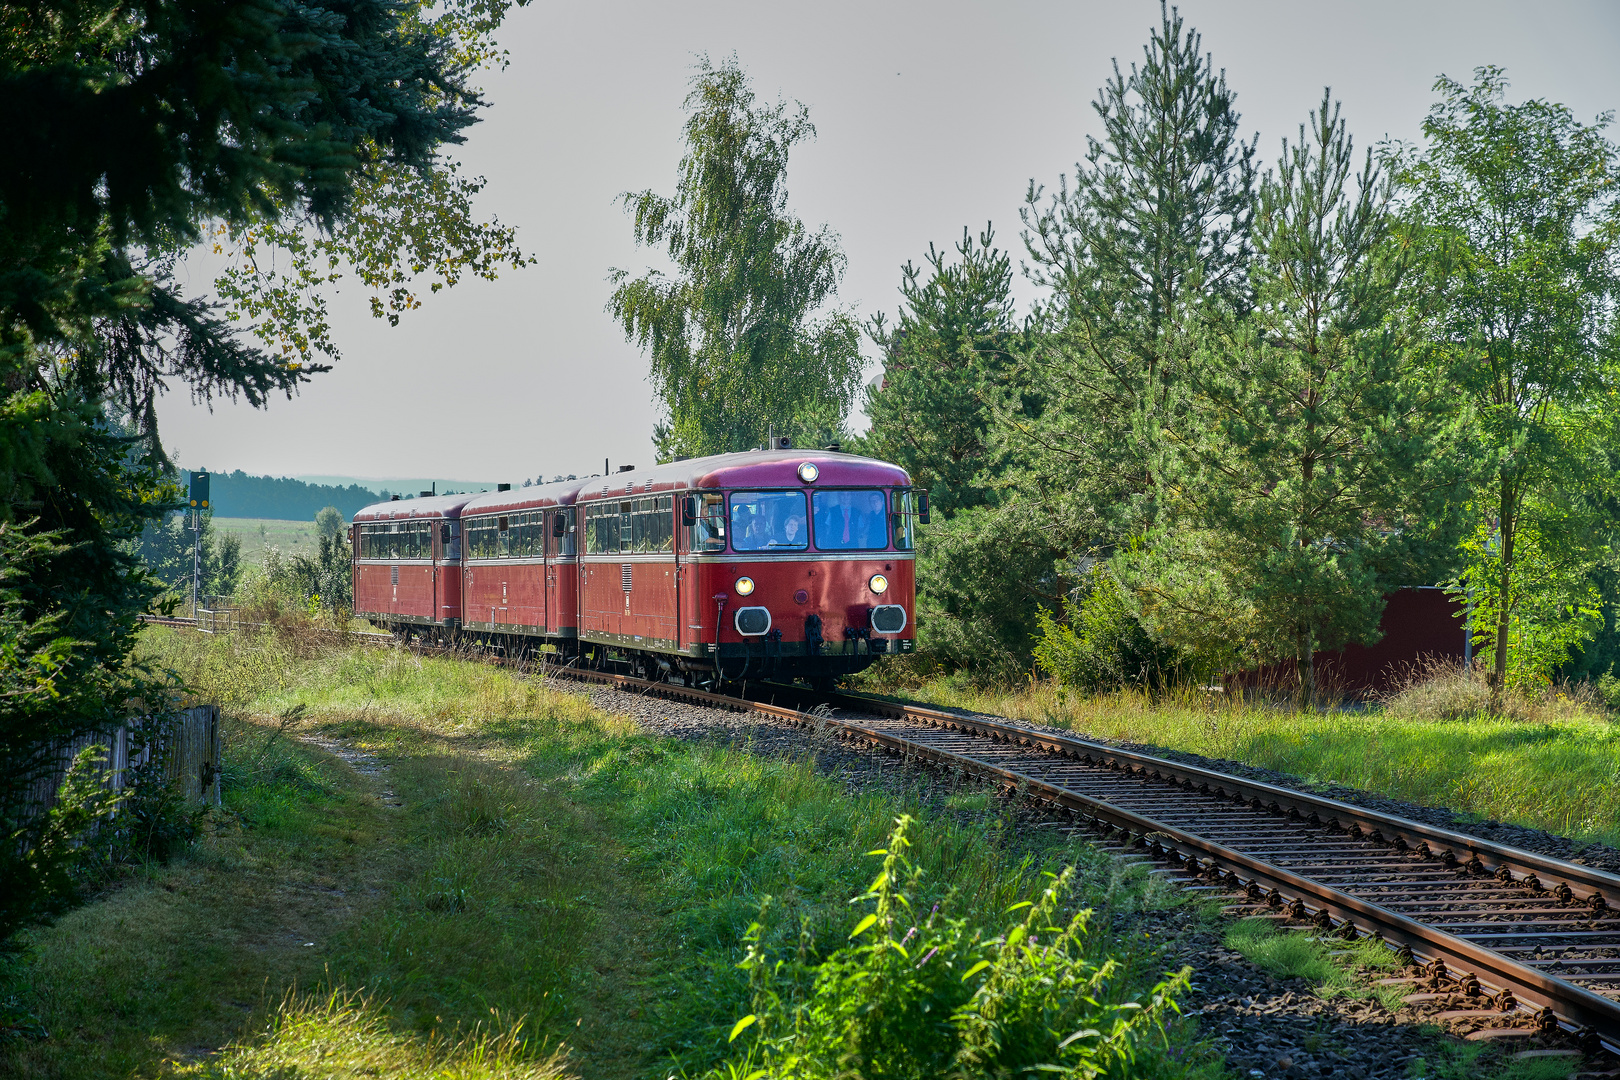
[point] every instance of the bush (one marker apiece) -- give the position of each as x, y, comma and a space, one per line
1100, 644
943, 998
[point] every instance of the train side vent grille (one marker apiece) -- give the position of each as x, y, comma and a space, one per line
393, 573
625, 570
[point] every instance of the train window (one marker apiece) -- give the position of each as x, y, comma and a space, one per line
851, 520
652, 524
567, 544
450, 534
904, 522
768, 521
480, 538
709, 534
602, 529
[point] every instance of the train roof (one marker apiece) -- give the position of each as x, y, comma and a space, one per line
744, 469
432, 506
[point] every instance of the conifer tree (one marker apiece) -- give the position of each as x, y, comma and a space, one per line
132, 130
737, 350
1313, 467
947, 360
1154, 230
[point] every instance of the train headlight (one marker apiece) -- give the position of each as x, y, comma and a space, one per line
744, 586
879, 583
808, 472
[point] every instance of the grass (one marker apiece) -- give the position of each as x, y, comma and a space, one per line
1560, 774
554, 894
259, 535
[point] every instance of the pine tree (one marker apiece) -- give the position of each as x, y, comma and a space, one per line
948, 360
130, 131
1154, 230
735, 346
1313, 469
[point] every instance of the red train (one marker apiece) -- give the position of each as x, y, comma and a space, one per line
761, 564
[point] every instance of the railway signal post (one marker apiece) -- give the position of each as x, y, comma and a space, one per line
196, 503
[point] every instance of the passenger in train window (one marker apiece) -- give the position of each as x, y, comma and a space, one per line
851, 520
759, 521
709, 534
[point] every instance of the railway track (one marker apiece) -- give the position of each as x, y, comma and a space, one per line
1519, 942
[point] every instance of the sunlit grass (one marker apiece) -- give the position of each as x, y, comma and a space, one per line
344, 1036
1561, 774
552, 877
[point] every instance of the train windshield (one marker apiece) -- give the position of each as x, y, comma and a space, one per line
851, 520
768, 521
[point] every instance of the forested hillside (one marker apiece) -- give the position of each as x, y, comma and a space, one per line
239, 495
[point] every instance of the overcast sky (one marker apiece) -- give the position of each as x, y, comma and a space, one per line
930, 116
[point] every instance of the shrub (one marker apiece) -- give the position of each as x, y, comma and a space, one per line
1100, 644
943, 998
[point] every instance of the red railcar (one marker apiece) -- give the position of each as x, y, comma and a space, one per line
519, 575
407, 558
777, 563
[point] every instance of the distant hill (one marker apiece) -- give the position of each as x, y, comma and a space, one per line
285, 498
239, 495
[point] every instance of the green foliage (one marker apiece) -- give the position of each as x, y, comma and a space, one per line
942, 998
1553, 603
983, 577
329, 523
1314, 461
1514, 212
135, 128
304, 582
736, 349
1155, 227
236, 494
165, 548
1100, 643
948, 361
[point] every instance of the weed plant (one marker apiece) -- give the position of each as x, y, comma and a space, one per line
944, 998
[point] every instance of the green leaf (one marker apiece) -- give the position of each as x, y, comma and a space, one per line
974, 970
1086, 1034
879, 851
741, 1026
1020, 904
863, 926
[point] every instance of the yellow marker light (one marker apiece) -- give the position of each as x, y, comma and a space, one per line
744, 586
808, 472
879, 583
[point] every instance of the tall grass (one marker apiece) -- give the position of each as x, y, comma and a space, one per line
345, 1036
1559, 771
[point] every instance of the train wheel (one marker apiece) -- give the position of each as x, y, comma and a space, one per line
823, 684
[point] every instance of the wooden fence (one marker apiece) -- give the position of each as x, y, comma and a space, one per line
188, 754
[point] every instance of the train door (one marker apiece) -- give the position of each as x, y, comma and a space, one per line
702, 531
